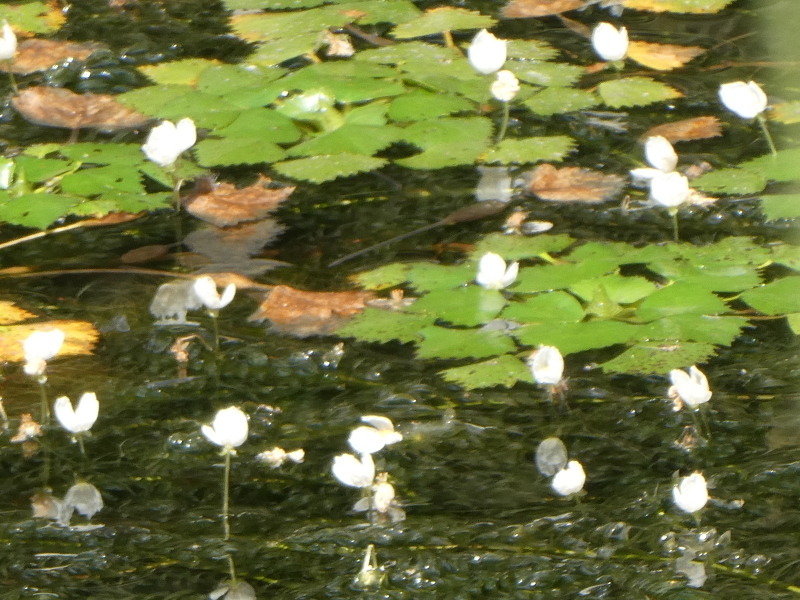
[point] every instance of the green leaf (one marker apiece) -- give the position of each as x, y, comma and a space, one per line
530, 50
36, 210
271, 4
273, 52
345, 87
775, 298
438, 20
182, 72
794, 322
387, 276
468, 306
635, 91
445, 155
730, 181
355, 139
453, 131
420, 104
546, 74
787, 255
531, 150
234, 151
560, 276
42, 169
377, 325
655, 357
373, 113
786, 112
515, 247
103, 154
782, 167
328, 166
204, 109
577, 337
224, 80
417, 52
781, 206
681, 298
150, 99
263, 123
91, 182
439, 342
679, 6
134, 203
720, 330
501, 371
424, 276
560, 100
622, 290
553, 307
35, 17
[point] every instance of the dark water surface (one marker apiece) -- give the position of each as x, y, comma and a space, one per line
481, 521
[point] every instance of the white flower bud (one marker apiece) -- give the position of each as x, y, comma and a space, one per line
609, 42
486, 53
691, 493
493, 274
569, 480
747, 100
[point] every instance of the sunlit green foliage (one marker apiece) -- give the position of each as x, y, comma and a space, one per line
673, 311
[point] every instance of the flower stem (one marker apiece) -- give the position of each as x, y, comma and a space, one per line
226, 527
80, 443
177, 181
504, 123
44, 403
216, 333
763, 124
232, 570
674, 213
11, 77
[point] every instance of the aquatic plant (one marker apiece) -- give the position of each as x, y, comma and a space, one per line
569, 480
486, 53
610, 43
77, 421
690, 494
374, 437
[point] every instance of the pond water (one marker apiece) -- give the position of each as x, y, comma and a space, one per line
480, 518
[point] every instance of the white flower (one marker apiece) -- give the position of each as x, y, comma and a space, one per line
692, 388
747, 100
669, 189
493, 274
229, 428
83, 497
505, 87
486, 53
569, 480
609, 42
206, 290
78, 420
239, 590
277, 456
551, 456
354, 472
691, 493
167, 142
660, 154
372, 438
8, 44
39, 347
547, 365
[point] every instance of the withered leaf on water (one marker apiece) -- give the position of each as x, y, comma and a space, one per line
520, 9
698, 128
79, 338
222, 204
39, 55
662, 57
144, 254
59, 107
309, 313
572, 184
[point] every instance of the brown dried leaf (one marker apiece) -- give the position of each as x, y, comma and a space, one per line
521, 9
144, 254
39, 55
79, 338
698, 128
58, 107
223, 205
662, 57
309, 313
114, 218
573, 184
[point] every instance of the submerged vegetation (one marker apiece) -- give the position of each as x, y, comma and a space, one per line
183, 147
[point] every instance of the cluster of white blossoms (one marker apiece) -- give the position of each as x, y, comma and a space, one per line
359, 471
668, 187
167, 141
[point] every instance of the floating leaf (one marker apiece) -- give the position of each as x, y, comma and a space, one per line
782, 167
11, 313
678, 6
383, 277
429, 276
560, 100
546, 73
453, 131
377, 325
40, 55
655, 357
468, 306
781, 206
33, 17
786, 112
349, 138
697, 128
445, 155
572, 184
183, 72
233, 151
775, 298
555, 307
730, 181
680, 298
439, 20
309, 313
503, 371
714, 329
36, 210
622, 290
531, 150
635, 91
522, 9
794, 322
59, 107
100, 154
513, 247
328, 166
577, 337
530, 50
420, 104
94, 181
222, 204
438, 342
662, 57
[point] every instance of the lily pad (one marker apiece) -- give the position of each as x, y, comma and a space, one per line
560, 100
438, 20
635, 91
439, 342
531, 150
466, 306
731, 181
775, 298
328, 166
377, 325
781, 206
655, 357
512, 247
503, 371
